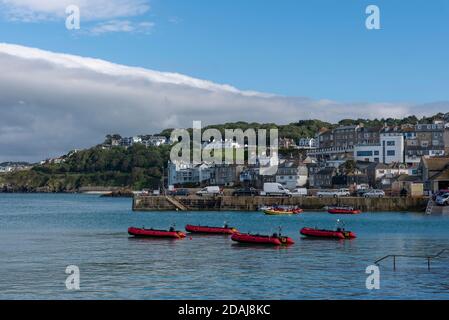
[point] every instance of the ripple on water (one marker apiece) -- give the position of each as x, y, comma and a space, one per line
42, 234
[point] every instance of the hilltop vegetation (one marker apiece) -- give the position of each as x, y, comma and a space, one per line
297, 130
136, 167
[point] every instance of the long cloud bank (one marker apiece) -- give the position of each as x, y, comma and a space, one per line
51, 103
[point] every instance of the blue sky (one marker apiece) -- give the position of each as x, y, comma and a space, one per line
318, 49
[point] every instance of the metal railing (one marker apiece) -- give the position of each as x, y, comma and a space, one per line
428, 258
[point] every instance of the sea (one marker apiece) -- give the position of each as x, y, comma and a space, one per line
48, 240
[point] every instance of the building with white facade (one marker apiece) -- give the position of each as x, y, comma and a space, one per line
186, 173
307, 143
223, 144
292, 174
155, 141
368, 153
389, 150
393, 146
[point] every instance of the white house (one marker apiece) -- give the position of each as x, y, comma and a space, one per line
307, 143
5, 169
368, 153
390, 149
155, 141
391, 170
183, 173
393, 146
292, 174
223, 144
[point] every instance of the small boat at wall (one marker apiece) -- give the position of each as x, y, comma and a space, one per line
343, 210
330, 234
153, 233
274, 211
275, 239
211, 230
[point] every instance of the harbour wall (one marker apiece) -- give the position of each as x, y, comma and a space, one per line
230, 203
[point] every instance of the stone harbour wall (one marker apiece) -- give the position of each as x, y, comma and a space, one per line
230, 203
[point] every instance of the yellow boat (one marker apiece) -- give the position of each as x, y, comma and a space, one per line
272, 212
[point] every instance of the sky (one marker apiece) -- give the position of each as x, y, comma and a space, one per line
167, 63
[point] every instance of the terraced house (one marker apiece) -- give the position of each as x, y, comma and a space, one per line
425, 140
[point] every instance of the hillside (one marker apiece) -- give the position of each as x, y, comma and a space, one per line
139, 167
136, 167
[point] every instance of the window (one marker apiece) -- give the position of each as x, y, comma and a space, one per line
391, 143
364, 153
376, 153
391, 153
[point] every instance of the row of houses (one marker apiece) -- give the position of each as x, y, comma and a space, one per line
7, 167
302, 144
400, 144
409, 159
291, 173
146, 140
431, 174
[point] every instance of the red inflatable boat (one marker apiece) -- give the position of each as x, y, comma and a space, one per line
338, 234
343, 210
141, 232
211, 230
258, 239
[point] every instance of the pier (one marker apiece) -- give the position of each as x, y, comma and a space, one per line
230, 203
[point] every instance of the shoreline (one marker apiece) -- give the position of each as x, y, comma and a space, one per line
151, 203
249, 204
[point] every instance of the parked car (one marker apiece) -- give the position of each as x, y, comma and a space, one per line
439, 193
179, 192
245, 192
334, 193
209, 191
275, 189
443, 200
299, 192
374, 194
361, 192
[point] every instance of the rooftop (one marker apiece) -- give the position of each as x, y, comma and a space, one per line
436, 164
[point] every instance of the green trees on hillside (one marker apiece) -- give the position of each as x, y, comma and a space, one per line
137, 167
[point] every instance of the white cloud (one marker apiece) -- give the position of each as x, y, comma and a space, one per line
37, 10
51, 103
121, 26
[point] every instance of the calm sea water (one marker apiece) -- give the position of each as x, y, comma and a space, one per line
40, 235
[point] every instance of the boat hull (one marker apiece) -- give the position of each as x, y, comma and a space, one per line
264, 240
329, 234
210, 230
344, 211
150, 233
280, 212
